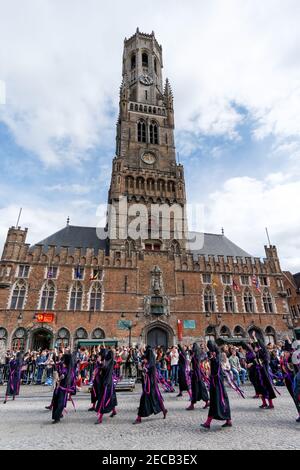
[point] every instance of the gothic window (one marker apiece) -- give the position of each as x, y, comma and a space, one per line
225, 332
270, 335
140, 183
145, 59
95, 297
63, 338
153, 133
248, 302
19, 340
267, 301
209, 300
150, 184
229, 301
238, 332
76, 297
47, 299
133, 61
98, 333
141, 131
210, 333
155, 65
18, 296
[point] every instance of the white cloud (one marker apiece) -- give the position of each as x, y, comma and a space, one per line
246, 206
69, 188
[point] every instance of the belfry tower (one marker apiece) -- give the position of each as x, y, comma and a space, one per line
144, 170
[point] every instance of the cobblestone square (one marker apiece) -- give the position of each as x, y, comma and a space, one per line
25, 424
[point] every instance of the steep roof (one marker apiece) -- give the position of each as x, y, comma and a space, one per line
86, 237
75, 237
217, 245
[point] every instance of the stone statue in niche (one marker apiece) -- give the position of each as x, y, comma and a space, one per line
156, 281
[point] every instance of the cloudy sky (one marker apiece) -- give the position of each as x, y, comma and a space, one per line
234, 67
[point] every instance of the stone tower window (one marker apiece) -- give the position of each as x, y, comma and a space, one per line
133, 61
153, 133
142, 131
155, 66
145, 59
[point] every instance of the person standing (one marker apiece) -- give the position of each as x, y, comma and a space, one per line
183, 377
219, 407
198, 388
151, 401
265, 384
63, 388
107, 398
14, 376
174, 356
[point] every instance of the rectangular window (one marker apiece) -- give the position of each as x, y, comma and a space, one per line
245, 280
23, 270
52, 272
289, 292
146, 95
206, 278
264, 281
78, 272
226, 279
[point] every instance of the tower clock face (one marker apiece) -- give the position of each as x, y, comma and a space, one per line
148, 158
146, 79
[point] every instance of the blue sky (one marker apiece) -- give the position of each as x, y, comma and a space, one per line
236, 85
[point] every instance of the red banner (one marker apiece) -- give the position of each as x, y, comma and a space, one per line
44, 317
179, 330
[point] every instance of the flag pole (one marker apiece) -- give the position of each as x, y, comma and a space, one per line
268, 236
19, 216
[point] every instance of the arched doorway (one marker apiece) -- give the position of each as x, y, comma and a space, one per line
41, 339
157, 337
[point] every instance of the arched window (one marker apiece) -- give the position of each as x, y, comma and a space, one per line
268, 302
98, 333
80, 333
95, 297
210, 333
63, 338
155, 65
270, 335
18, 296
225, 332
76, 297
153, 133
19, 340
141, 131
209, 300
133, 61
145, 59
248, 302
47, 299
229, 301
3, 340
238, 332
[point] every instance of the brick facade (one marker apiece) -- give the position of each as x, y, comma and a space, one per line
155, 284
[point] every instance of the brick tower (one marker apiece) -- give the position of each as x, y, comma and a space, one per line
145, 172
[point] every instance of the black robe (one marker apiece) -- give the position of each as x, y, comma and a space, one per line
151, 401
199, 390
264, 383
289, 379
14, 377
61, 393
252, 370
219, 403
105, 390
297, 390
182, 371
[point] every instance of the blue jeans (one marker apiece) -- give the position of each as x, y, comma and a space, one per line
236, 375
174, 374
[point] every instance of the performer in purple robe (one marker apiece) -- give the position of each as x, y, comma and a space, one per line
14, 377
97, 379
198, 387
151, 401
64, 388
265, 385
219, 407
106, 393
